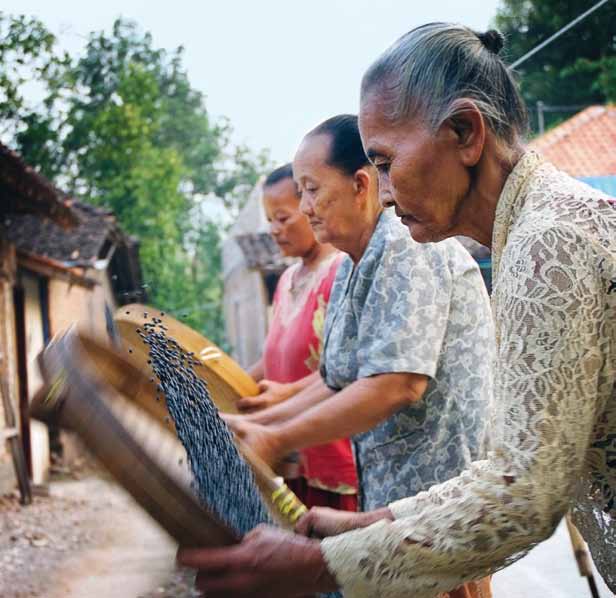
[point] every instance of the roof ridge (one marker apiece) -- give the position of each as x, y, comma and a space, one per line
568, 126
584, 145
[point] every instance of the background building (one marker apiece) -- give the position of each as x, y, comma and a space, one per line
252, 265
60, 262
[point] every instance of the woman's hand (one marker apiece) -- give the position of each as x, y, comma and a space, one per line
271, 393
258, 439
268, 563
321, 522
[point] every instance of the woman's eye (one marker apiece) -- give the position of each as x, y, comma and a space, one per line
382, 167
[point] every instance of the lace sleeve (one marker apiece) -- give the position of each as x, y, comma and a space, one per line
550, 308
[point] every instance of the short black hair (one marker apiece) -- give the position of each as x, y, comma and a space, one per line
346, 151
279, 174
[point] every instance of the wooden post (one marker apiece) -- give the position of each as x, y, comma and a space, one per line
22, 371
9, 384
11, 434
582, 556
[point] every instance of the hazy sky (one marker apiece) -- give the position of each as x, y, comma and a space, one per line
276, 68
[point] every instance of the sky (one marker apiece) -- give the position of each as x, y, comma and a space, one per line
275, 68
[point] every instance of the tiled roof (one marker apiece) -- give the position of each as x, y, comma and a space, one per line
584, 145
261, 252
22, 189
87, 245
81, 245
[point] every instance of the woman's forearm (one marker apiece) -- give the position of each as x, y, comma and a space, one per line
314, 392
355, 409
305, 382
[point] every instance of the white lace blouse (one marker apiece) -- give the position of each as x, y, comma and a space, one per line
553, 416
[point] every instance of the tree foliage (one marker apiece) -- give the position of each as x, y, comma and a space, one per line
578, 68
121, 126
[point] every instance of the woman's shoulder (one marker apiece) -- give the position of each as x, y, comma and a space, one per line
289, 272
557, 198
284, 282
329, 267
562, 210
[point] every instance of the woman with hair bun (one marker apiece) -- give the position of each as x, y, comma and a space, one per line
443, 123
406, 360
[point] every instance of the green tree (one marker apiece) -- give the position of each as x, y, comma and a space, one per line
578, 68
31, 66
121, 126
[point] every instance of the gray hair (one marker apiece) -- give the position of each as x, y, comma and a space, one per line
429, 70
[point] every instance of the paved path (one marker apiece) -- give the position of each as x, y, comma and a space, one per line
548, 571
131, 556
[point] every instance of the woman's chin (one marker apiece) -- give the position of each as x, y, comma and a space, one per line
286, 250
321, 236
422, 234
292, 252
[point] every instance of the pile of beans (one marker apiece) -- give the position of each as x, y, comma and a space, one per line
224, 482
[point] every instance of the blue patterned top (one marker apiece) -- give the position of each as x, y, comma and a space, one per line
417, 308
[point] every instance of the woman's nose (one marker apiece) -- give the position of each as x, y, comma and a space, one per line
386, 199
305, 206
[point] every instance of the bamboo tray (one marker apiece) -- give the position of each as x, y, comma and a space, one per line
106, 380
88, 386
227, 381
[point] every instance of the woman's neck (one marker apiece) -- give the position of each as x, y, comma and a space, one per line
479, 210
316, 254
364, 233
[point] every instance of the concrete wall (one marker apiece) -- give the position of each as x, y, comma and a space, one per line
245, 301
72, 303
246, 314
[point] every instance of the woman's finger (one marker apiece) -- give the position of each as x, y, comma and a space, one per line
304, 525
250, 403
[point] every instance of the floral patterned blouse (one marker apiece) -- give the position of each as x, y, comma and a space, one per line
423, 309
554, 412
292, 351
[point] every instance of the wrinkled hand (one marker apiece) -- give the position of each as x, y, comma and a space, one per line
270, 393
321, 522
268, 563
258, 439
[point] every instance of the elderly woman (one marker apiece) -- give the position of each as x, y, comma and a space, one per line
326, 476
407, 336
443, 122
406, 363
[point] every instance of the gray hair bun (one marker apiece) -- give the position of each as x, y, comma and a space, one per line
492, 40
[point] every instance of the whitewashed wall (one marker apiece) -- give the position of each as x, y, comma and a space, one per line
245, 303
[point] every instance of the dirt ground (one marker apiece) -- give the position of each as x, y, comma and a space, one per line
87, 539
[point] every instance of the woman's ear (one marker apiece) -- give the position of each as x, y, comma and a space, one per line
468, 125
361, 181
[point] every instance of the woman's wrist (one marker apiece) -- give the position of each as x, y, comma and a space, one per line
292, 388
281, 439
326, 581
371, 517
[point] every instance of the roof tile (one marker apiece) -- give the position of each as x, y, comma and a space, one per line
584, 145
